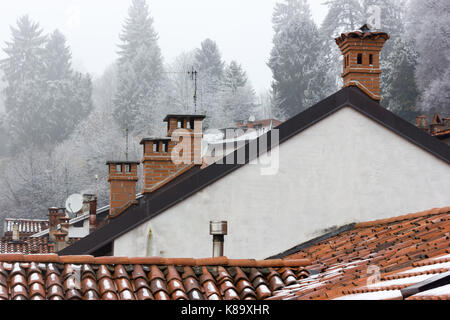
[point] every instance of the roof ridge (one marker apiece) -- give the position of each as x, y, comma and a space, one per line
219, 261
409, 216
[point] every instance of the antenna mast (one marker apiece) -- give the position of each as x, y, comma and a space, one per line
194, 75
126, 144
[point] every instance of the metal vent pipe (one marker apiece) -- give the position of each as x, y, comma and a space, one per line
218, 229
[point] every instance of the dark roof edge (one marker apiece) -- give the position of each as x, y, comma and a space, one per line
313, 242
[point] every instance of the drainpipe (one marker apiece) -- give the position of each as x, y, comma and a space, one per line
218, 229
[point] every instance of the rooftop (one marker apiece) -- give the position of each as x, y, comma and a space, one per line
51, 277
403, 251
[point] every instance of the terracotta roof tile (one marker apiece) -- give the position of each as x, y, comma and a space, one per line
394, 248
114, 278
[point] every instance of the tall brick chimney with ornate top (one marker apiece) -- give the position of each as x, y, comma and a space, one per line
123, 177
168, 157
361, 50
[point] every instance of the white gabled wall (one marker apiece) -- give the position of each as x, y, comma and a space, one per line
346, 168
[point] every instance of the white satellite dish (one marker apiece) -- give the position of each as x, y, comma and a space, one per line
74, 203
252, 119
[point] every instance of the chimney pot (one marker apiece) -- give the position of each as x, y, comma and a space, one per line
218, 229
93, 214
15, 232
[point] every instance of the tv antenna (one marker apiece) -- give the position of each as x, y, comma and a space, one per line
74, 204
126, 144
193, 74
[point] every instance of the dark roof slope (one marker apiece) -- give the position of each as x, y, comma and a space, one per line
196, 179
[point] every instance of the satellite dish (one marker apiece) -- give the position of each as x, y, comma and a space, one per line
251, 119
74, 203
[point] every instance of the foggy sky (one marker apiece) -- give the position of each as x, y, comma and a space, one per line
241, 28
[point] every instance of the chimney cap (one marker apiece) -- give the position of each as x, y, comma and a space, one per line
184, 116
123, 162
155, 139
218, 228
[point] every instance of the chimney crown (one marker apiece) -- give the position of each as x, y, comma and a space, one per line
361, 51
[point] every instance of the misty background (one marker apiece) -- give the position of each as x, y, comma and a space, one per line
77, 75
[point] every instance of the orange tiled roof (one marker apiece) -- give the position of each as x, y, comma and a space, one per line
40, 277
26, 246
397, 248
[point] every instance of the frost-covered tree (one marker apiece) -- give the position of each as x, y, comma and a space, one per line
140, 72
211, 68
239, 98
428, 26
104, 89
235, 76
298, 68
181, 87
22, 71
45, 97
401, 95
67, 94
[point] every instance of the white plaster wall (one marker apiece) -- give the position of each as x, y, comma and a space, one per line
346, 168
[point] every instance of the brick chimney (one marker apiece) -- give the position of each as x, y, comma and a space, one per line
123, 177
55, 216
166, 158
361, 51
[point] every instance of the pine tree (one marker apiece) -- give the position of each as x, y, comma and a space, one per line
235, 76
210, 67
23, 70
401, 95
295, 61
209, 60
140, 72
67, 95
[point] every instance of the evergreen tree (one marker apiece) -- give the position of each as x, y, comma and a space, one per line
433, 48
209, 60
67, 95
401, 95
140, 72
23, 69
235, 76
239, 97
296, 64
210, 67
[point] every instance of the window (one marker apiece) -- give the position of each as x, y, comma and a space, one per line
190, 124
371, 59
155, 146
180, 124
127, 168
359, 60
165, 146
118, 168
